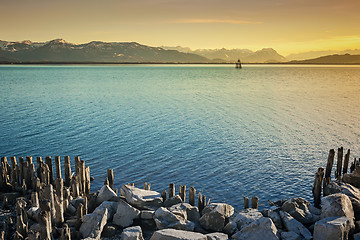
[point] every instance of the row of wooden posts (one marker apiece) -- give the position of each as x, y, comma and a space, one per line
322, 179
53, 195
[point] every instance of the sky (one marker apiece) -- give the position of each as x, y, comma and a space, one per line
289, 26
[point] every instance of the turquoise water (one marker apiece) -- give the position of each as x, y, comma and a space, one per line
262, 130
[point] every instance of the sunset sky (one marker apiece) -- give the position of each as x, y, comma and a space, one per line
289, 26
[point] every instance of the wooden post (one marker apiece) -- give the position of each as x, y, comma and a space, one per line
57, 167
21, 219
31, 176
77, 165
21, 172
246, 202
67, 171
171, 190
14, 173
110, 176
49, 195
329, 166
319, 175
48, 161
65, 233
148, 186
45, 220
75, 187
254, 202
87, 180
203, 201
38, 168
200, 202
59, 210
182, 192
346, 161
34, 199
79, 215
163, 195
192, 193
339, 163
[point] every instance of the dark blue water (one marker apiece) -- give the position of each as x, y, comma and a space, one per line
262, 130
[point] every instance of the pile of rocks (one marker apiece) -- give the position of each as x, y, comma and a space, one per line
35, 206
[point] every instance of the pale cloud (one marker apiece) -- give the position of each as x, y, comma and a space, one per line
224, 21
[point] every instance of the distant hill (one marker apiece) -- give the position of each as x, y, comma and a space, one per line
316, 54
332, 59
264, 55
59, 50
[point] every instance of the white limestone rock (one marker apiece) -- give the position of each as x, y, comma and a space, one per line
298, 208
247, 216
338, 205
217, 236
166, 219
292, 225
125, 214
142, 199
111, 207
214, 216
173, 234
262, 228
93, 225
332, 228
105, 194
132, 233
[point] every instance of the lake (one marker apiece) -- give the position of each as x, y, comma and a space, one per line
259, 131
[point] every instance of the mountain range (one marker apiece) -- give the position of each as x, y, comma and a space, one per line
265, 55
59, 50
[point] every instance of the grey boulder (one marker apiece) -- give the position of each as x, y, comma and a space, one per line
338, 205
332, 228
247, 216
142, 199
132, 233
105, 194
215, 215
167, 219
292, 225
93, 225
298, 208
262, 228
125, 214
173, 234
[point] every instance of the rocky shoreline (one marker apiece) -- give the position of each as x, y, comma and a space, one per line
37, 205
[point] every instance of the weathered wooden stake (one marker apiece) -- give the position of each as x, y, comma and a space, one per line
110, 176
21, 173
319, 175
339, 163
171, 190
246, 202
65, 233
200, 202
34, 199
87, 180
163, 195
45, 220
192, 193
254, 202
14, 173
67, 171
57, 167
82, 177
328, 170
182, 192
79, 215
48, 161
346, 161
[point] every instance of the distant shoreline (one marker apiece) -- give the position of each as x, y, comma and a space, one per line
164, 63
